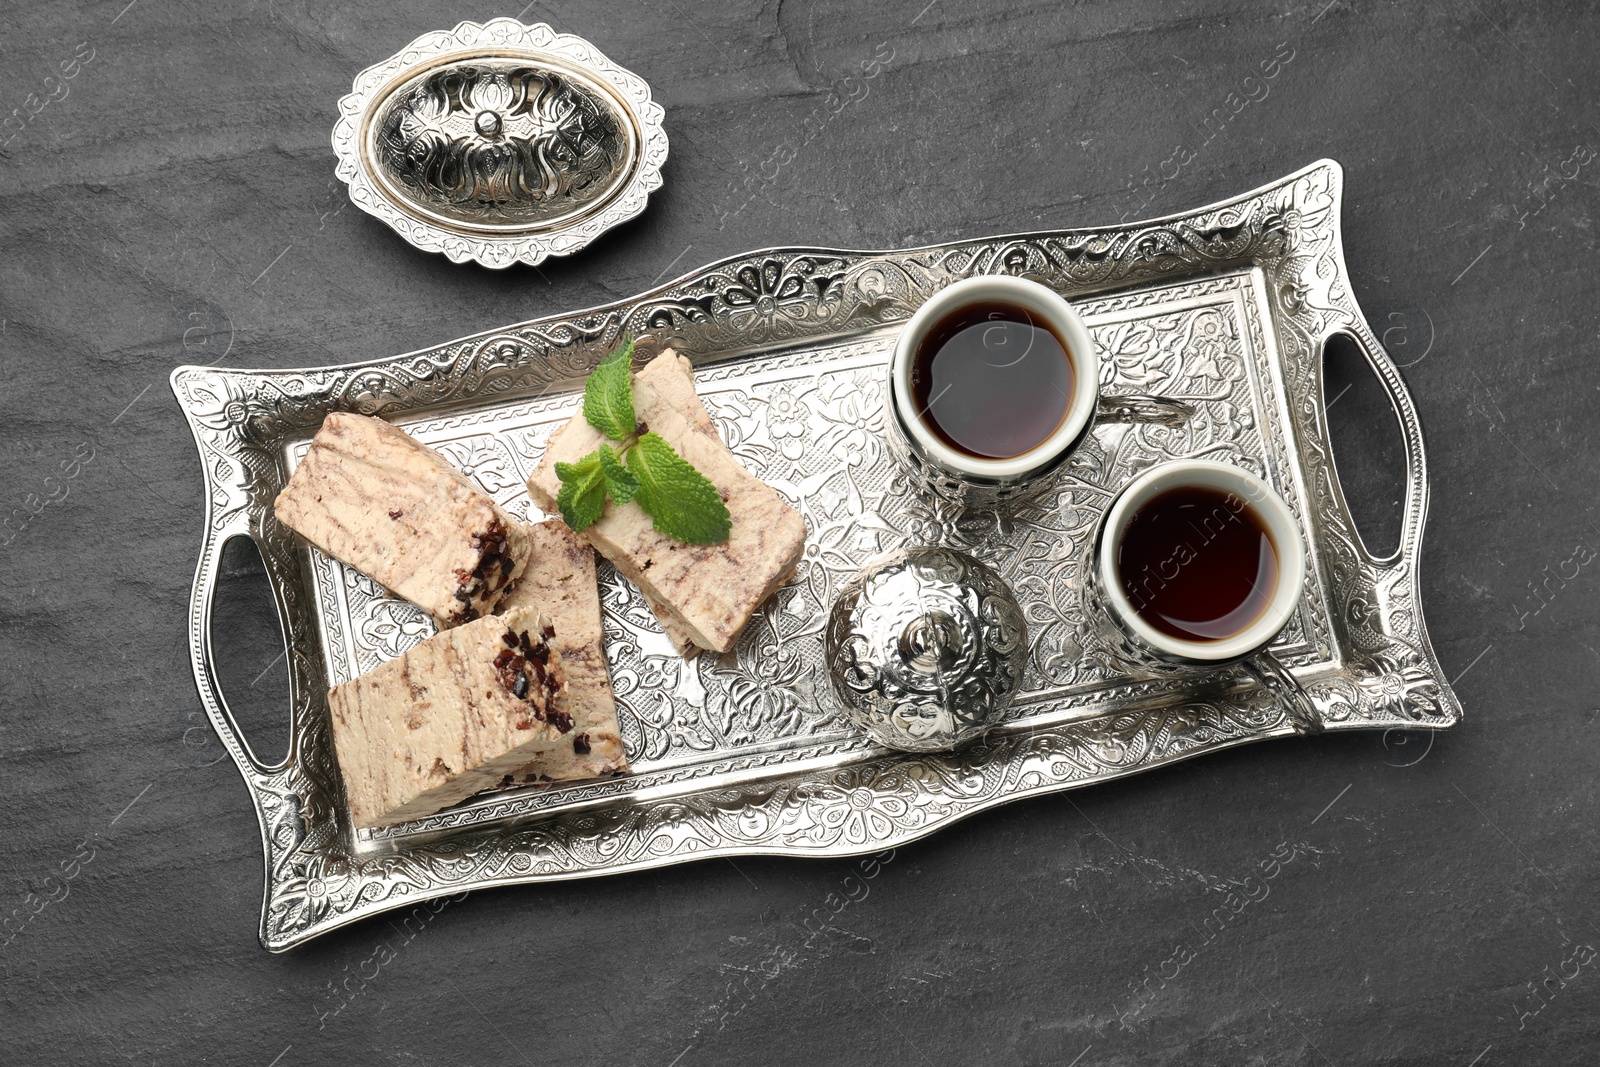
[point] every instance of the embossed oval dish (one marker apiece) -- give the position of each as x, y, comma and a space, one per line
500, 143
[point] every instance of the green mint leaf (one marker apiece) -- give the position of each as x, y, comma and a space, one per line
621, 485
583, 491
608, 394
682, 501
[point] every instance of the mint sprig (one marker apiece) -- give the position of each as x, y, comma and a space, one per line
583, 491
683, 503
608, 394
643, 467
622, 485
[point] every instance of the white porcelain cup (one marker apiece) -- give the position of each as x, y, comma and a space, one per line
974, 481
1240, 490
1139, 648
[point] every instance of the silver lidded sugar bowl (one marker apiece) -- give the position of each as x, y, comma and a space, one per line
926, 648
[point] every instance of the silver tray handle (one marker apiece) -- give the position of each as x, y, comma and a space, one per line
202, 658
1415, 512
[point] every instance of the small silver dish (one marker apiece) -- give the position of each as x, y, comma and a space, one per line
500, 143
926, 648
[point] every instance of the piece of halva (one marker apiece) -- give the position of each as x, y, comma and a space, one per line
369, 494
560, 582
452, 716
708, 592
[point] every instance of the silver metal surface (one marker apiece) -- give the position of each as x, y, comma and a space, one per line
1155, 409
926, 647
967, 490
500, 143
1226, 308
1269, 672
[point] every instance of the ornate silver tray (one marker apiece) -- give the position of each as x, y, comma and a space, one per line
1227, 307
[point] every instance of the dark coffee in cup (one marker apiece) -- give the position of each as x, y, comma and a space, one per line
1197, 563
992, 380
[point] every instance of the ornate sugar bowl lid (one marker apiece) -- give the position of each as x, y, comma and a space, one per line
926, 648
500, 142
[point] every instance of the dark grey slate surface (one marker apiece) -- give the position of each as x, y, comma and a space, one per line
1429, 904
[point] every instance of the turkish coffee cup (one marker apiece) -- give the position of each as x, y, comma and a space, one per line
992, 384
1198, 565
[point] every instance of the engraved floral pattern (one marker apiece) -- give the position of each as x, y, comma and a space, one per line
787, 418
767, 299
487, 461
503, 142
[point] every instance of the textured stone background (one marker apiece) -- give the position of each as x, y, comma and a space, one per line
177, 205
